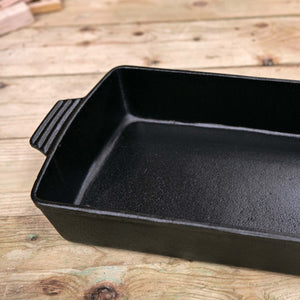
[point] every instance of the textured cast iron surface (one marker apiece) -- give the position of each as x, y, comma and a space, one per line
179, 163
224, 177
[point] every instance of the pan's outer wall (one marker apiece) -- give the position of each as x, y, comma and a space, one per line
177, 240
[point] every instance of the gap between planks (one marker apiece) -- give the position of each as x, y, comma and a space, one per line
238, 70
167, 21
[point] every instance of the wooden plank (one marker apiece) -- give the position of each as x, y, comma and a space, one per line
90, 12
291, 72
44, 6
84, 49
26, 111
27, 241
17, 204
41, 89
19, 166
10, 126
91, 283
158, 280
14, 17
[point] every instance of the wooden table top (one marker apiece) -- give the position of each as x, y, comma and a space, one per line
63, 55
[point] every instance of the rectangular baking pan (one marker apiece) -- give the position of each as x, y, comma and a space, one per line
194, 165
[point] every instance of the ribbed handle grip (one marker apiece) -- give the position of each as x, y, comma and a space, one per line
46, 135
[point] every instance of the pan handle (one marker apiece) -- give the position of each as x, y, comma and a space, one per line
57, 120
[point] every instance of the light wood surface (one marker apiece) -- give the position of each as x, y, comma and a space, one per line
183, 45
63, 55
44, 6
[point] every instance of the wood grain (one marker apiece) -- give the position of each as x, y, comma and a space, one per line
19, 166
185, 45
168, 280
28, 242
63, 55
17, 204
44, 6
92, 12
35, 234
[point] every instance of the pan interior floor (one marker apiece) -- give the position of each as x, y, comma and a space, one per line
232, 178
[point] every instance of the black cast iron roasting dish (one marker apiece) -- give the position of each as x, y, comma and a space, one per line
194, 165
